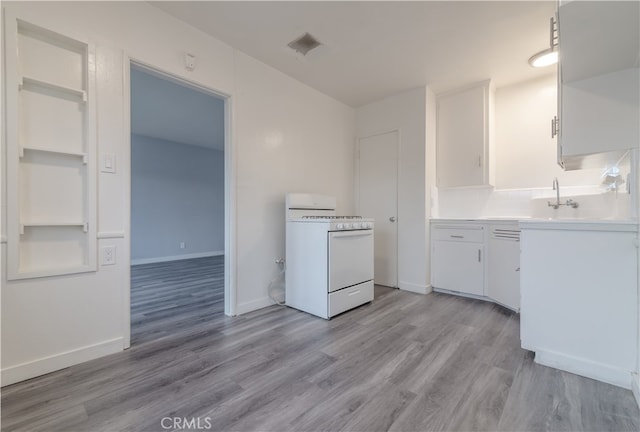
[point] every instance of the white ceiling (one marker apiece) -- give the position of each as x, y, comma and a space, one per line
168, 110
375, 49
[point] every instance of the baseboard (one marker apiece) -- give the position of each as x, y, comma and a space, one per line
139, 261
477, 297
32, 369
579, 366
461, 294
635, 387
415, 288
247, 307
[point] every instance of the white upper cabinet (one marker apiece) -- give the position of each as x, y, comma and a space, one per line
463, 136
598, 37
598, 82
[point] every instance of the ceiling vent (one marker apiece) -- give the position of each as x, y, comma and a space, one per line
304, 44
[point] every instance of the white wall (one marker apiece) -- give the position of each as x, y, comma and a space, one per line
290, 139
525, 152
636, 378
285, 135
177, 195
406, 112
525, 164
431, 192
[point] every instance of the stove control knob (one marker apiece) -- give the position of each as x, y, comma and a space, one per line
369, 225
361, 225
347, 226
339, 226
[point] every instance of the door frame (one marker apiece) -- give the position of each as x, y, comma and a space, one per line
357, 187
230, 265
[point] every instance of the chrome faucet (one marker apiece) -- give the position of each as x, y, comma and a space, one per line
556, 187
572, 203
557, 204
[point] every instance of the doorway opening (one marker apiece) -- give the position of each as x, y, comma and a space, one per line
178, 205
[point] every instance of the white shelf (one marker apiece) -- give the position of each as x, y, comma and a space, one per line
57, 152
40, 83
84, 225
44, 272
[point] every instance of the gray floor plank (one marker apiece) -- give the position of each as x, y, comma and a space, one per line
404, 362
482, 405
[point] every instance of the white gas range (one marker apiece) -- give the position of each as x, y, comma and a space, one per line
329, 258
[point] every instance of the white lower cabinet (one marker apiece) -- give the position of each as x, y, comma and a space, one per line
478, 259
580, 297
457, 264
504, 265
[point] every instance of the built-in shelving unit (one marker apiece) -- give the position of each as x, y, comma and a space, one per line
50, 153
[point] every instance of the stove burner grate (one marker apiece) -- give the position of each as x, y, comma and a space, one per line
331, 217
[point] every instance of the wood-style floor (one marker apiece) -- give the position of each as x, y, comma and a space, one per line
169, 296
405, 362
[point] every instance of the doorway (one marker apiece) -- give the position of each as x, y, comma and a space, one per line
378, 198
178, 204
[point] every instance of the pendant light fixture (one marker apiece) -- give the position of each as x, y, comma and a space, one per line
548, 56
544, 58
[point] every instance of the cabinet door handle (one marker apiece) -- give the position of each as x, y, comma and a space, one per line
480, 161
479, 255
553, 38
555, 126
456, 236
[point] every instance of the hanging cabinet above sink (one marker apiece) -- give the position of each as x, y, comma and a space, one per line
598, 80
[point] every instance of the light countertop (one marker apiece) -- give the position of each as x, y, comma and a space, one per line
559, 224
581, 224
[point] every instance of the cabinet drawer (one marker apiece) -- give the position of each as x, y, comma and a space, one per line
348, 298
467, 234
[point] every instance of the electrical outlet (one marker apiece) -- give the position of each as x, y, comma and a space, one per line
108, 255
182, 245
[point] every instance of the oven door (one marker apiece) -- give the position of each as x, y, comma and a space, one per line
350, 258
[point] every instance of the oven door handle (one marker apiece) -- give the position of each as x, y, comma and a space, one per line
356, 233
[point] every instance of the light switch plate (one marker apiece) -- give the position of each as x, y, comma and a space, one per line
108, 164
108, 255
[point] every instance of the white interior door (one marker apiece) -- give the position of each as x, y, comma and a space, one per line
378, 198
